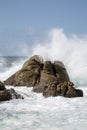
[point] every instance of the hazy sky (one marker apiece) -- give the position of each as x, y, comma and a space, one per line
22, 22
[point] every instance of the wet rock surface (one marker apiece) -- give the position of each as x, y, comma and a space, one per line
8, 94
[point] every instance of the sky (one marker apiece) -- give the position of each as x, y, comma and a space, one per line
23, 23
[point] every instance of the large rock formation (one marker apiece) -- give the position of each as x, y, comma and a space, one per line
46, 77
7, 94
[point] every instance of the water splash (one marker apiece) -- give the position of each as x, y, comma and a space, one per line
71, 50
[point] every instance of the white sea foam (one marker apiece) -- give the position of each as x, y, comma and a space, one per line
38, 113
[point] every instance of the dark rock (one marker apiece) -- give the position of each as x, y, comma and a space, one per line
9, 94
79, 93
5, 95
14, 94
61, 72
2, 86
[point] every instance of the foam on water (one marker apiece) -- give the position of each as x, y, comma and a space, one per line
38, 113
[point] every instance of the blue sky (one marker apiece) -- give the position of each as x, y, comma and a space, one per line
27, 21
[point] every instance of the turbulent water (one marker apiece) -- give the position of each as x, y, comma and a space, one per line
36, 112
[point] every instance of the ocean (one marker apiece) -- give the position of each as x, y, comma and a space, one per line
38, 113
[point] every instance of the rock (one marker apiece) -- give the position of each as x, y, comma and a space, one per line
9, 94
34, 60
28, 75
10, 80
14, 94
5, 95
71, 91
79, 93
46, 77
2, 86
48, 67
51, 90
65, 89
47, 73
61, 72
40, 88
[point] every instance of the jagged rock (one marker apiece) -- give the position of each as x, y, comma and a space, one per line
48, 78
35, 71
65, 89
51, 90
2, 86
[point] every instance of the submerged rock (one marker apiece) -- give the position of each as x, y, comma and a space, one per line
5, 95
46, 77
14, 94
9, 94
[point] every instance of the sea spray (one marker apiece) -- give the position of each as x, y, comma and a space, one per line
71, 50
9, 65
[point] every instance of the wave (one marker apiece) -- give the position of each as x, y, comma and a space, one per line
70, 49
9, 65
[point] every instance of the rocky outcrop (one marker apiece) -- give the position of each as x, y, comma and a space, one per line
46, 77
65, 89
35, 71
7, 94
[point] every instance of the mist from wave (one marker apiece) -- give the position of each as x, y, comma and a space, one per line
9, 65
70, 49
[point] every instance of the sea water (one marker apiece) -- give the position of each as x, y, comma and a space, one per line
35, 112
